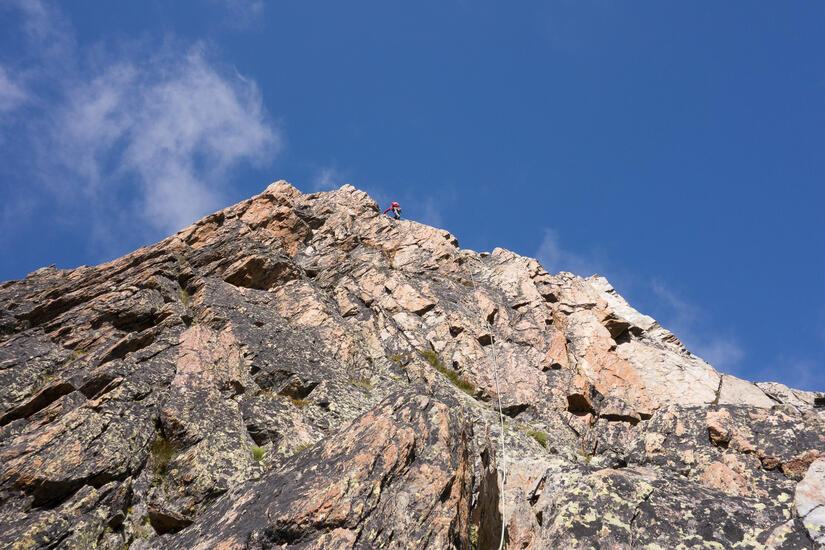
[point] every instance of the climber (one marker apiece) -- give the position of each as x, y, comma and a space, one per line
396, 210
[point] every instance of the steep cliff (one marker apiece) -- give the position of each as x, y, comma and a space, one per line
299, 371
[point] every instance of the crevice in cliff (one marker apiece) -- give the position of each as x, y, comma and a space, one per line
514, 410
552, 366
800, 526
488, 501
40, 401
491, 317
100, 384
298, 389
632, 420
718, 390
636, 512
166, 522
459, 531
128, 344
44, 313
579, 405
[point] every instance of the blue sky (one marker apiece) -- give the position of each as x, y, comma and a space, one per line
675, 147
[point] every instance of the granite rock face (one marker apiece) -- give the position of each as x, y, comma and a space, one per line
299, 371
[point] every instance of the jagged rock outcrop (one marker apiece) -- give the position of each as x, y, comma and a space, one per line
397, 476
300, 371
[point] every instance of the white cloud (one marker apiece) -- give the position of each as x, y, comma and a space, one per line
685, 321
144, 137
554, 257
430, 213
176, 123
242, 13
684, 315
724, 353
44, 28
327, 179
795, 372
38, 22
12, 94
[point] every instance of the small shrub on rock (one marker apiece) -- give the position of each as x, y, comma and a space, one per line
257, 453
361, 382
539, 436
298, 402
162, 452
461, 383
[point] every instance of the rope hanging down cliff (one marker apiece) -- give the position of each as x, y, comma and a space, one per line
502, 441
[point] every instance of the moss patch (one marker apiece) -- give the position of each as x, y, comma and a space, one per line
361, 382
298, 402
473, 537
162, 452
539, 436
257, 453
461, 383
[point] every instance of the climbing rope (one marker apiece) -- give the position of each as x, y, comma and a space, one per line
502, 442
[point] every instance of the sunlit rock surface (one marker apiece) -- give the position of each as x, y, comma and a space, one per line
299, 371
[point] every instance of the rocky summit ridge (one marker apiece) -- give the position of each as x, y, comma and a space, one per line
298, 371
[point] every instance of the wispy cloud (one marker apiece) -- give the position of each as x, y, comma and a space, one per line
683, 314
327, 179
11, 93
724, 353
46, 31
554, 257
145, 139
242, 13
685, 321
795, 372
430, 213
38, 21
176, 123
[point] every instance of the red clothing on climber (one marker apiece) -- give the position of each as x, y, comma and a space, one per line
396, 210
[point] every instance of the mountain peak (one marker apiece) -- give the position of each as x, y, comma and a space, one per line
301, 370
